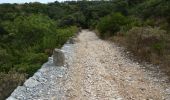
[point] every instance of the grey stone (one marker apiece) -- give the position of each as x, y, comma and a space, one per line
31, 83
58, 57
20, 90
11, 98
50, 60
168, 90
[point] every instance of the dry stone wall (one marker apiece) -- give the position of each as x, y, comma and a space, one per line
47, 82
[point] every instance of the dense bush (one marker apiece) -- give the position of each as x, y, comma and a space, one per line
154, 12
25, 34
111, 24
31, 35
25, 44
131, 22
150, 44
147, 42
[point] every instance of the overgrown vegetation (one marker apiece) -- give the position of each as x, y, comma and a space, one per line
147, 42
144, 30
111, 24
28, 37
29, 32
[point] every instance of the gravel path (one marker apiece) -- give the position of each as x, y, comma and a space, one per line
95, 70
101, 72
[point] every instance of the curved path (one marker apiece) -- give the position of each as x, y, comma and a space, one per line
97, 70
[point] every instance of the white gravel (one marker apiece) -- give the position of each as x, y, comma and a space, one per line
95, 70
101, 72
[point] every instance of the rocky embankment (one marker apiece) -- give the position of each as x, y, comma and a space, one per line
94, 70
47, 82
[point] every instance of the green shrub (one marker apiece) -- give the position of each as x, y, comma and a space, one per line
111, 24
30, 30
56, 40
27, 41
149, 22
27, 68
30, 63
33, 58
64, 34
131, 22
150, 44
5, 60
146, 41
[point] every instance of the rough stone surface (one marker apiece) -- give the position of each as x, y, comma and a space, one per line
94, 70
12, 98
47, 82
31, 83
58, 57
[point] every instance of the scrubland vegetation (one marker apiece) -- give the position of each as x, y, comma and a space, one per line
29, 32
28, 36
143, 29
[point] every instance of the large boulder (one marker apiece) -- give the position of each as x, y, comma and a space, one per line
58, 57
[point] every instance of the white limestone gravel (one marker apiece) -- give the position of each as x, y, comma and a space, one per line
100, 71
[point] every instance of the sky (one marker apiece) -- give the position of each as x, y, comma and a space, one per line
24, 1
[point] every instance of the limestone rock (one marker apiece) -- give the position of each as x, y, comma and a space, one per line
11, 98
31, 83
58, 57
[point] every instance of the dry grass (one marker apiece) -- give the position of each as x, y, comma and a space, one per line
8, 82
148, 44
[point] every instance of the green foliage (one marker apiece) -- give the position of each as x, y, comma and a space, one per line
58, 39
35, 36
154, 8
121, 6
111, 24
29, 32
25, 44
64, 34
146, 41
5, 60
154, 12
135, 2
150, 44
31, 28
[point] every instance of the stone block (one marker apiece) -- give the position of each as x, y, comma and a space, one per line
58, 57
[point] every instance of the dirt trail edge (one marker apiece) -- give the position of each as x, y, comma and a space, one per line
100, 72
95, 70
